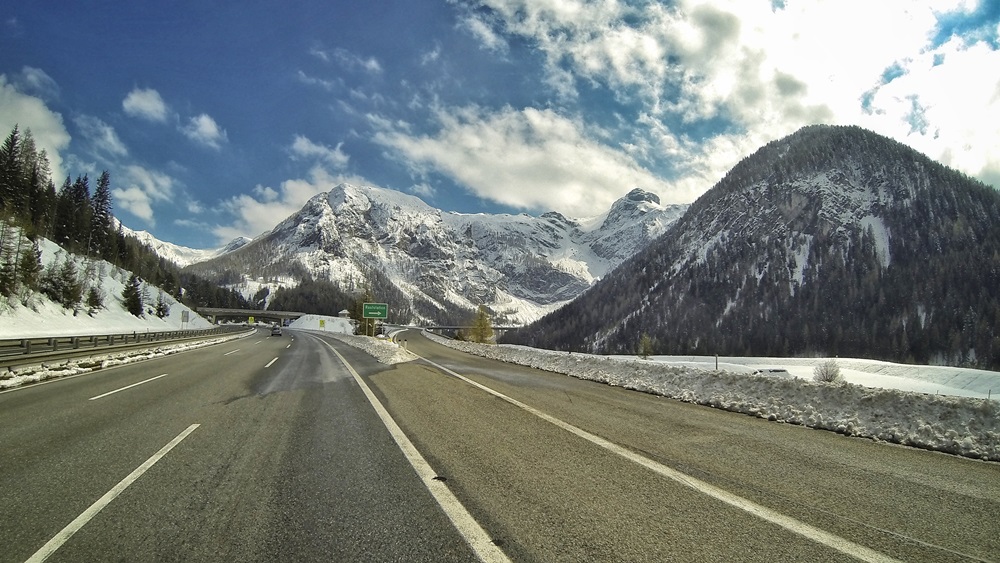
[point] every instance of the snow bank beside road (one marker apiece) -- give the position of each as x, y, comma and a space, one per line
382, 350
76, 366
963, 426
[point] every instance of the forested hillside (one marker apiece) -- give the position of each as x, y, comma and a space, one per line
81, 221
832, 241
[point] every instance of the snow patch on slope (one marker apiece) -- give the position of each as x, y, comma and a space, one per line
46, 318
878, 228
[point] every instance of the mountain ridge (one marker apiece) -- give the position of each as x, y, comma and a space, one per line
833, 240
183, 255
439, 265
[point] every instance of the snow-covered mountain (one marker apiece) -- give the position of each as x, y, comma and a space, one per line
436, 265
182, 255
833, 240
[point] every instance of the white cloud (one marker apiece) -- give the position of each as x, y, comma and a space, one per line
482, 31
529, 159
262, 210
195, 207
145, 103
959, 103
135, 201
423, 190
143, 188
328, 85
319, 53
302, 147
102, 137
30, 112
431, 56
204, 130
752, 72
37, 82
351, 61
348, 60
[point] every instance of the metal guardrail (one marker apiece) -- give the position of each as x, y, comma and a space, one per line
13, 348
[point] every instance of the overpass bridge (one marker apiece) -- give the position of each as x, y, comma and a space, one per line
214, 315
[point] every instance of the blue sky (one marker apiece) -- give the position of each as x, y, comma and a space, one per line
219, 119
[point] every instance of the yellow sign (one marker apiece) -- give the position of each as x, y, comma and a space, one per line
322, 323
250, 320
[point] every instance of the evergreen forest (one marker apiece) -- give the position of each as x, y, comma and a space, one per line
79, 218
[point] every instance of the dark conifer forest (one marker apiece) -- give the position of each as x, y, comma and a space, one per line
78, 216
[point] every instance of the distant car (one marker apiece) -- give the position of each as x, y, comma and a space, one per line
275, 330
780, 372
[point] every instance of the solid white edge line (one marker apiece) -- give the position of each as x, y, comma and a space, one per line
787, 522
474, 534
59, 539
127, 387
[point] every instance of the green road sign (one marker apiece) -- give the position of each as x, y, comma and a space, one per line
375, 310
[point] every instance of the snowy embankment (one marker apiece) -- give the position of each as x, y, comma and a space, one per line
77, 366
382, 350
963, 426
41, 317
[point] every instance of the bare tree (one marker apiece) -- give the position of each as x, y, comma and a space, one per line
828, 372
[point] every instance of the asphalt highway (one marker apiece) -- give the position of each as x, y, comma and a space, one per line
275, 449
288, 463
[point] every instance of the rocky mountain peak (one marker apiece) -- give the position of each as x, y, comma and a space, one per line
439, 265
640, 195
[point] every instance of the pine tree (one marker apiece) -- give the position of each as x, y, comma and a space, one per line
29, 270
79, 201
162, 307
132, 296
95, 300
71, 288
42, 205
8, 258
27, 159
102, 222
260, 298
482, 328
10, 171
63, 223
8, 279
645, 346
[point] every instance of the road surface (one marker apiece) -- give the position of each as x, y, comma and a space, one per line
279, 454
